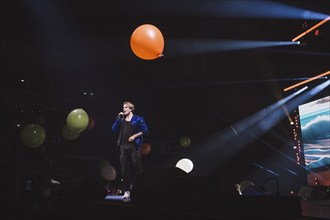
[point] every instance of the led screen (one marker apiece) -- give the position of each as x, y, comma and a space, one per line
315, 131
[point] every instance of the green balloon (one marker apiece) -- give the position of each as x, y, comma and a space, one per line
77, 120
68, 134
33, 135
244, 184
185, 141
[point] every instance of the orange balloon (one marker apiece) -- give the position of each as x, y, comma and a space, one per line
147, 42
145, 149
90, 125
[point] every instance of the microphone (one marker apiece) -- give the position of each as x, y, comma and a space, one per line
120, 114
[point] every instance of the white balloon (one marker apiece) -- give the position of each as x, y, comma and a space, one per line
185, 165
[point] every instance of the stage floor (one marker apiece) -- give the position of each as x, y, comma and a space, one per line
226, 208
309, 210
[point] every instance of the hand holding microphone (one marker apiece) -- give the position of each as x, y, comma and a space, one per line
120, 114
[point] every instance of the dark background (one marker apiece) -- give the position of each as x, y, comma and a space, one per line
63, 49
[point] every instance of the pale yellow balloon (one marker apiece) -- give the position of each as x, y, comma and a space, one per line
108, 172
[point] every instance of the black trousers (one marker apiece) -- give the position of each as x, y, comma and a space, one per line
131, 165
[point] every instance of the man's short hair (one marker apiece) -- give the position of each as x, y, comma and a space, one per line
130, 105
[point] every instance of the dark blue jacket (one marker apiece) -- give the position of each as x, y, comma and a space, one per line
138, 124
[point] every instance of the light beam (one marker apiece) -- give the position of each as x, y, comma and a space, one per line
307, 80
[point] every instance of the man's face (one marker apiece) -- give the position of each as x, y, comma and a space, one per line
126, 109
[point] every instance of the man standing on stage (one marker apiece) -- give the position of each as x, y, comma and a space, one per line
130, 129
